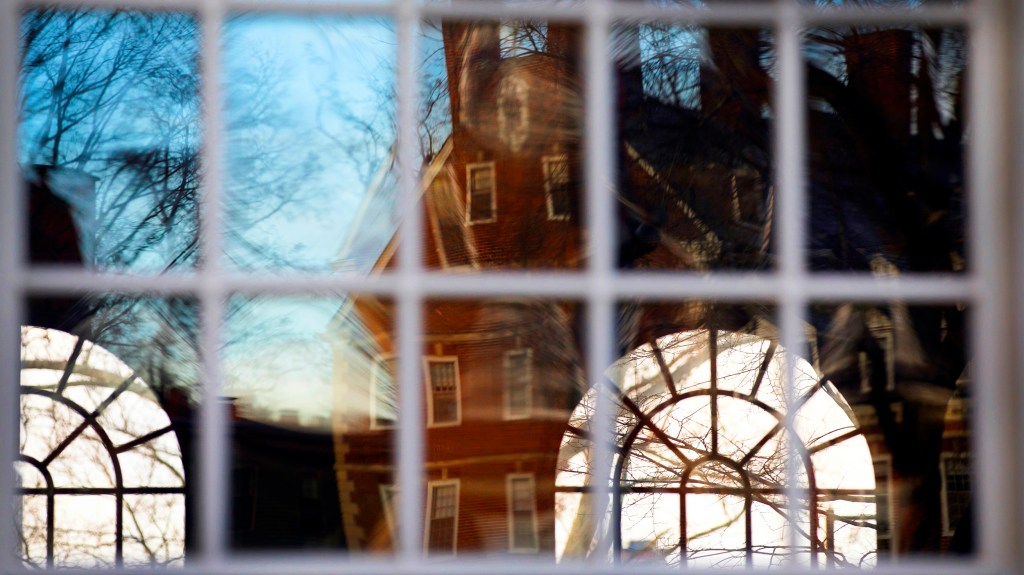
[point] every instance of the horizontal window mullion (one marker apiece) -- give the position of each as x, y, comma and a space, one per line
331, 564
733, 13
722, 286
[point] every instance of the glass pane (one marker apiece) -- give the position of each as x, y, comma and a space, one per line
310, 120
108, 395
903, 374
887, 135
517, 374
109, 138
311, 383
501, 120
699, 476
693, 114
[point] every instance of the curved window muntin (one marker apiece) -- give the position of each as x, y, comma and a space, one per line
642, 403
86, 397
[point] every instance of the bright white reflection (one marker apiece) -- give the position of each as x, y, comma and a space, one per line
121, 448
722, 448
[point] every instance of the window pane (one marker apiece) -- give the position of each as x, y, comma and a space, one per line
498, 98
109, 391
886, 150
694, 116
314, 406
109, 138
904, 373
310, 134
484, 447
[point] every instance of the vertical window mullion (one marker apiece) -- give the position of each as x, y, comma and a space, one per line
790, 236
213, 430
990, 246
599, 197
410, 449
11, 272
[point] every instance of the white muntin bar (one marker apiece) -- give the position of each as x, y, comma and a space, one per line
1015, 19
410, 449
12, 218
722, 286
599, 165
994, 443
311, 563
750, 13
213, 492
789, 234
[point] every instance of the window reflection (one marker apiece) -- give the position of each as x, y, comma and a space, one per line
109, 137
883, 393
101, 472
700, 473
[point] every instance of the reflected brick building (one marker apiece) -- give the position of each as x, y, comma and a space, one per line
501, 377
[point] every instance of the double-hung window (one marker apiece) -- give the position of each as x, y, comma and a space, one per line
443, 520
518, 379
445, 402
522, 513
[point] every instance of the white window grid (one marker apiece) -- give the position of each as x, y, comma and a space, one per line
991, 286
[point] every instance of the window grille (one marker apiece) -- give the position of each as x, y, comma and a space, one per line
991, 285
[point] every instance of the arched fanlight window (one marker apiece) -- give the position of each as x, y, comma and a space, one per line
700, 465
100, 472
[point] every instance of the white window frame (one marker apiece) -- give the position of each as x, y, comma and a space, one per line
993, 285
469, 192
546, 163
509, 492
428, 519
453, 359
375, 369
528, 383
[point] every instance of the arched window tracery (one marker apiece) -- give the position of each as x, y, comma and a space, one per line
699, 475
100, 469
